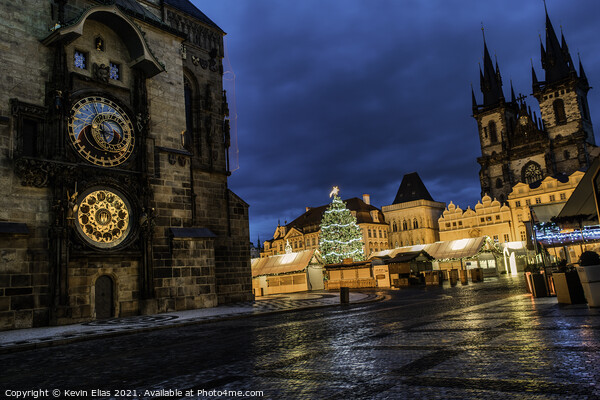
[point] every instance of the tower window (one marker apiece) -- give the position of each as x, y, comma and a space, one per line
115, 71
493, 132
567, 154
80, 60
498, 183
559, 111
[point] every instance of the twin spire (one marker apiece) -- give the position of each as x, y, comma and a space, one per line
556, 62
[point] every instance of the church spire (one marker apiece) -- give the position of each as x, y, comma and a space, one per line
490, 80
474, 100
556, 57
582, 75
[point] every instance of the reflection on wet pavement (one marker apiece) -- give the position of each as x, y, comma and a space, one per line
486, 340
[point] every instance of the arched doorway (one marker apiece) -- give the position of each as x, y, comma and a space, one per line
104, 297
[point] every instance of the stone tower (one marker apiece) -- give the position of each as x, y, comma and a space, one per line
516, 146
114, 172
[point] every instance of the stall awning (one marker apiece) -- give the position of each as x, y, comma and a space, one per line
282, 264
581, 206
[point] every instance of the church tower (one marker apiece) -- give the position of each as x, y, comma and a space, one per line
495, 120
563, 105
516, 146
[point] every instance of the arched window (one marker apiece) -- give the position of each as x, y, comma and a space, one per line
531, 172
395, 227
559, 111
186, 137
404, 225
498, 183
415, 224
493, 132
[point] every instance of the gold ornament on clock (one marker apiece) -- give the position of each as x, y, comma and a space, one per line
103, 218
101, 132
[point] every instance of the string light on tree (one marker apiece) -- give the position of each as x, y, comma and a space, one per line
340, 236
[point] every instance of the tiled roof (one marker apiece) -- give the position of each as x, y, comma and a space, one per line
187, 7
314, 215
412, 188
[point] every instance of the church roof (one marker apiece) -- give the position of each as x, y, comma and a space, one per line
412, 188
187, 7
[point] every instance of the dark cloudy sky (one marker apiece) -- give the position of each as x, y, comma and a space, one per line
357, 93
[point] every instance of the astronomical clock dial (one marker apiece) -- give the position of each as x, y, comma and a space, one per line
101, 131
103, 218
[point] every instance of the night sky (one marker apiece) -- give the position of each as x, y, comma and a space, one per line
357, 93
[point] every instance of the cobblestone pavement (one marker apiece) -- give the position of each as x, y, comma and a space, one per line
21, 339
485, 340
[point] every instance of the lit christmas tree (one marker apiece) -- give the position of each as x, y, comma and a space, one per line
340, 236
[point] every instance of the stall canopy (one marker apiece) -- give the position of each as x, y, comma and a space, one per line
449, 250
285, 263
581, 206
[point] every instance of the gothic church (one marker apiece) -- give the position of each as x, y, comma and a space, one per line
516, 145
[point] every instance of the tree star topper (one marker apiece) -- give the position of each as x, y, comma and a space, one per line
334, 191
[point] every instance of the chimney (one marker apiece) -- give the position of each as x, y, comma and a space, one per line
367, 198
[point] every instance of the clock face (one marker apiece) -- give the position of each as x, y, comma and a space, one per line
103, 218
101, 131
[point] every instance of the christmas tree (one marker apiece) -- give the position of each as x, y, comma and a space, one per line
340, 236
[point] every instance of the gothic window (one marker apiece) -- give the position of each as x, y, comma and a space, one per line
566, 154
498, 183
404, 225
395, 227
559, 111
186, 137
114, 71
493, 132
532, 172
415, 224
80, 59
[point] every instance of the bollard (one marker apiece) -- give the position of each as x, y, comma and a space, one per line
464, 278
344, 295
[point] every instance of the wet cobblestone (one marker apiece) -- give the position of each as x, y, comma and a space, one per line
482, 341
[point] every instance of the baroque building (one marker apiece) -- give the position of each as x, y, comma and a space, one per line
516, 145
303, 232
413, 216
114, 139
489, 218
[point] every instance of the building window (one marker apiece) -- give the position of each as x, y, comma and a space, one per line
447, 224
454, 224
498, 183
563, 196
415, 224
114, 72
528, 202
497, 217
394, 227
459, 223
559, 111
380, 234
80, 60
538, 200
518, 203
523, 236
566, 154
496, 238
506, 238
552, 197
404, 225
519, 217
385, 234
482, 219
488, 219
493, 133
313, 242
